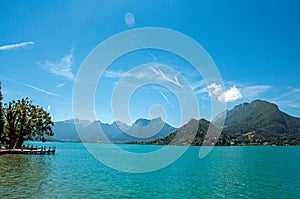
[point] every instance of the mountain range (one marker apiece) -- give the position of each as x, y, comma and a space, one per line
117, 132
256, 123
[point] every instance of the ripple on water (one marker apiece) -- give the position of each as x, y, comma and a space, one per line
227, 172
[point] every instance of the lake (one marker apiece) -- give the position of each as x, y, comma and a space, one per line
226, 172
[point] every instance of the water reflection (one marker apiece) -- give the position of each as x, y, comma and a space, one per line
23, 175
233, 172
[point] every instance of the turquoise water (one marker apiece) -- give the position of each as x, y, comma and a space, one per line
227, 172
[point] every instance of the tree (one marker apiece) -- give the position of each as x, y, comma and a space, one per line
1, 115
26, 121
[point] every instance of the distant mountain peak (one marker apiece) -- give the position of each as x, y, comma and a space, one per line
256, 105
116, 131
263, 117
118, 122
263, 103
145, 122
141, 122
256, 123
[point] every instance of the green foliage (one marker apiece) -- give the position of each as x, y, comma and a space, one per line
193, 133
267, 123
25, 121
270, 124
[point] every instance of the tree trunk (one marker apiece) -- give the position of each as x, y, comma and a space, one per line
21, 133
13, 139
20, 142
12, 135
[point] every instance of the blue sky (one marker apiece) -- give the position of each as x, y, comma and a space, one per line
255, 45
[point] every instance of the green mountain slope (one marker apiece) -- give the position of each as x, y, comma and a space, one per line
192, 133
265, 120
255, 123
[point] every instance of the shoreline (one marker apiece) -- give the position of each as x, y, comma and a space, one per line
141, 143
27, 151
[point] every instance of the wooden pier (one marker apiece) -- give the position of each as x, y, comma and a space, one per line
41, 151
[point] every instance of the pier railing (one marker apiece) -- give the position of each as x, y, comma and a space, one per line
29, 150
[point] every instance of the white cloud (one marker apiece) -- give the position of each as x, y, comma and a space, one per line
165, 77
293, 105
232, 95
48, 107
13, 46
288, 94
295, 90
198, 85
289, 103
164, 96
60, 85
253, 91
141, 74
31, 86
62, 67
166, 99
113, 74
150, 72
201, 90
41, 90
144, 47
215, 89
288, 98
